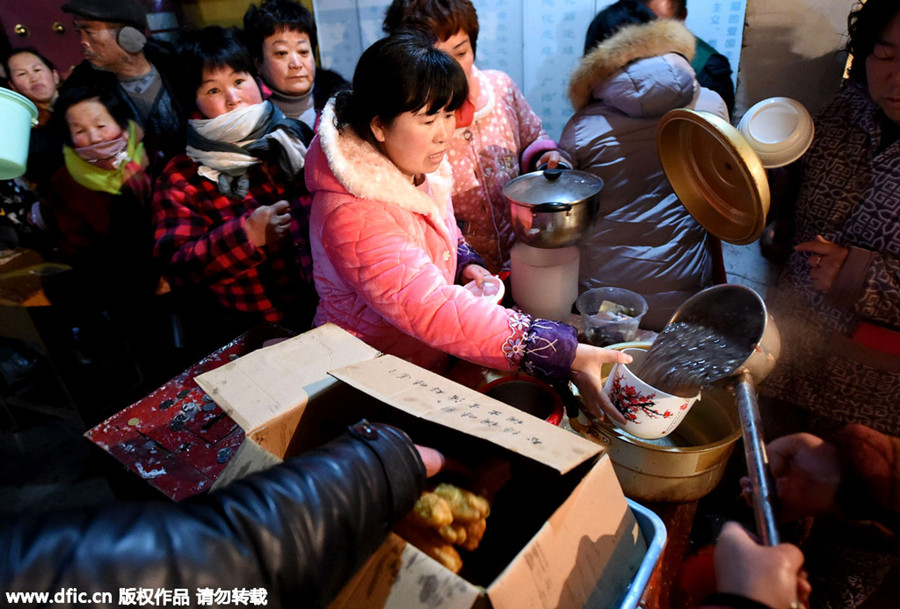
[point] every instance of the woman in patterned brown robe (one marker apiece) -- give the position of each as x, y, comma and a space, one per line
837, 302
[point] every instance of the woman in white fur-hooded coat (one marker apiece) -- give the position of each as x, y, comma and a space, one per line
388, 256
643, 238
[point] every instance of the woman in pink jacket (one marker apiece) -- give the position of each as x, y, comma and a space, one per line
498, 136
387, 252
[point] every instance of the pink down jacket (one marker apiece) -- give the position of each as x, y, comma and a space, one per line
385, 261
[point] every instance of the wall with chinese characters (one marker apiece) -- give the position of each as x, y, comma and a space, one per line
536, 42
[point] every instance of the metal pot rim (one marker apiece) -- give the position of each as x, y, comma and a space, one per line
534, 188
676, 450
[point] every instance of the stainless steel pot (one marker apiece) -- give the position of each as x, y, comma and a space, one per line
685, 465
552, 208
528, 394
738, 312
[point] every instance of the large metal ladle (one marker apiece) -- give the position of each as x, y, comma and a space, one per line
739, 314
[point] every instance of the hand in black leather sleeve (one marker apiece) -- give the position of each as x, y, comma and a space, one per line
299, 530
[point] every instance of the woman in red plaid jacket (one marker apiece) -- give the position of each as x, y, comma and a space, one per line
231, 214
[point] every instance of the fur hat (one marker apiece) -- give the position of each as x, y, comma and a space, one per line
129, 12
626, 45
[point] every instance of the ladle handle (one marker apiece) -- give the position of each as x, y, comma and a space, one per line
761, 482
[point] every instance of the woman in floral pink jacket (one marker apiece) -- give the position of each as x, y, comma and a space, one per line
498, 136
387, 252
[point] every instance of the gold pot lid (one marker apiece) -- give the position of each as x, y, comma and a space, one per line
717, 176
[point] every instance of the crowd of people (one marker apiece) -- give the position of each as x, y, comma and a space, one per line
230, 175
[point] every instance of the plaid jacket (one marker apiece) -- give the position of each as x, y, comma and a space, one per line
200, 239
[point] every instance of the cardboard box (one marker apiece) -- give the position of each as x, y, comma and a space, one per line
560, 533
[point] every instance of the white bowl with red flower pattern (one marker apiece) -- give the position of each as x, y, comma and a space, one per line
650, 413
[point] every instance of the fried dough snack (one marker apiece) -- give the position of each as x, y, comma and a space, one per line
430, 542
474, 533
445, 517
432, 511
464, 505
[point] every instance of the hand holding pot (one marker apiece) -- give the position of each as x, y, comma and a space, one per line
770, 575
807, 473
549, 160
588, 377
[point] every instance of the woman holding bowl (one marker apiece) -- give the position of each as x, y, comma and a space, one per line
387, 252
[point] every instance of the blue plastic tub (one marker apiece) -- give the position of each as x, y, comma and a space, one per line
654, 532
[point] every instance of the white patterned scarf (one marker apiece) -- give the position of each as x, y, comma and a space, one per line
226, 146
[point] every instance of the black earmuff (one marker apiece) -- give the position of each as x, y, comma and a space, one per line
131, 39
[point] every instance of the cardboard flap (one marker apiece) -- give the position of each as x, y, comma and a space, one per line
271, 381
430, 396
586, 555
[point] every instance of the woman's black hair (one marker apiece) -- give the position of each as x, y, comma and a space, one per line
271, 16
865, 26
211, 47
400, 73
21, 50
614, 17
117, 107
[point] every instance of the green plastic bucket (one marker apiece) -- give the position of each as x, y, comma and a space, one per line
17, 115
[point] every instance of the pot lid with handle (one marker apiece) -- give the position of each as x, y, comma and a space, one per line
716, 174
557, 187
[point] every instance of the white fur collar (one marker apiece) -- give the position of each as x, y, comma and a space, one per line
486, 93
368, 174
635, 41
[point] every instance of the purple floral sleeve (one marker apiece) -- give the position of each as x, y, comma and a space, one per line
549, 349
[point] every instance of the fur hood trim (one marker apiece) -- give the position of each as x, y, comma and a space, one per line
366, 173
486, 94
632, 42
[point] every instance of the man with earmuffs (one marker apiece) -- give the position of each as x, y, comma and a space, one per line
118, 55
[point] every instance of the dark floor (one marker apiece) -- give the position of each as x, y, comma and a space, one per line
50, 465
48, 402
45, 461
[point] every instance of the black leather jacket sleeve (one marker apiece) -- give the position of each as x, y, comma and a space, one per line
299, 530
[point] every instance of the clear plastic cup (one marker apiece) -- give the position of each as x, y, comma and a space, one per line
611, 315
492, 288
